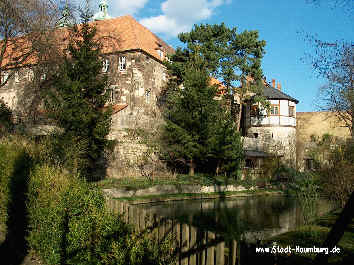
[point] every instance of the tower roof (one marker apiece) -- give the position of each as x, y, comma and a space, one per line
103, 13
272, 93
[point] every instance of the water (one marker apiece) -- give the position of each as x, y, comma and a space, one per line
247, 218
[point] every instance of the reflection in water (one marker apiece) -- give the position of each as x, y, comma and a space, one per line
247, 218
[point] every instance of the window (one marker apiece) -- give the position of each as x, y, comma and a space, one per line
249, 163
105, 65
17, 77
4, 76
43, 76
30, 75
110, 93
160, 53
147, 96
291, 111
274, 110
122, 63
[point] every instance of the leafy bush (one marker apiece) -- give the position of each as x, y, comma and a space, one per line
13, 159
337, 176
6, 123
70, 225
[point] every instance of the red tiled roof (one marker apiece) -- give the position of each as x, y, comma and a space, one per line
118, 107
117, 34
130, 35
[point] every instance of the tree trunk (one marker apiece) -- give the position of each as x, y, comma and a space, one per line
217, 168
239, 117
337, 230
191, 167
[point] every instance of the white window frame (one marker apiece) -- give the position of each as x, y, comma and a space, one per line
30, 75
105, 65
147, 96
17, 77
160, 53
272, 109
122, 63
4, 76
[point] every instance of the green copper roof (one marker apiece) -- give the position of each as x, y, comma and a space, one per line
64, 21
103, 13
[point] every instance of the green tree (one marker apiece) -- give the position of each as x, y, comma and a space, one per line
233, 57
6, 123
77, 100
197, 129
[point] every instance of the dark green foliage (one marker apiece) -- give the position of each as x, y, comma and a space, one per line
69, 224
233, 57
6, 123
77, 99
15, 165
199, 131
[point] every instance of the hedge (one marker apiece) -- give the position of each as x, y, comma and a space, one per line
14, 169
69, 224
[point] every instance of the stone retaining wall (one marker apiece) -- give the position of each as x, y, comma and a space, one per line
172, 189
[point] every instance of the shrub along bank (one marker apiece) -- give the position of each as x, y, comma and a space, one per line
67, 219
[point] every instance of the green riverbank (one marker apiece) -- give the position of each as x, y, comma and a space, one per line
314, 235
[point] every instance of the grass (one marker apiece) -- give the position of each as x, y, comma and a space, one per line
182, 196
199, 179
314, 235
131, 183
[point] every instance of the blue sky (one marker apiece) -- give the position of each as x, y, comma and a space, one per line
281, 23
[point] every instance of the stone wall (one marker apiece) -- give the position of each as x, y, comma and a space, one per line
137, 90
316, 124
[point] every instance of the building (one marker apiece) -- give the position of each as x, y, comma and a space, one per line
270, 132
133, 60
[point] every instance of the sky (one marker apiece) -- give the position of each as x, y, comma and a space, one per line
281, 23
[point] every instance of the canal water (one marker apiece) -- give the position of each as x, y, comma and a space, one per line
248, 219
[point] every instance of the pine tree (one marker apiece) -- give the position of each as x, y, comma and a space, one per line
233, 57
192, 116
77, 100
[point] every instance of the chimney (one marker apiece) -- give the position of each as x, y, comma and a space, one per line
279, 86
273, 83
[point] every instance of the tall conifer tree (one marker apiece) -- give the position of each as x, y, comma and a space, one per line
77, 102
198, 129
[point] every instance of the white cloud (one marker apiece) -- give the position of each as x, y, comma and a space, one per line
180, 15
124, 7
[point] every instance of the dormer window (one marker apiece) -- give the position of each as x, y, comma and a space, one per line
105, 65
160, 53
17, 77
122, 63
